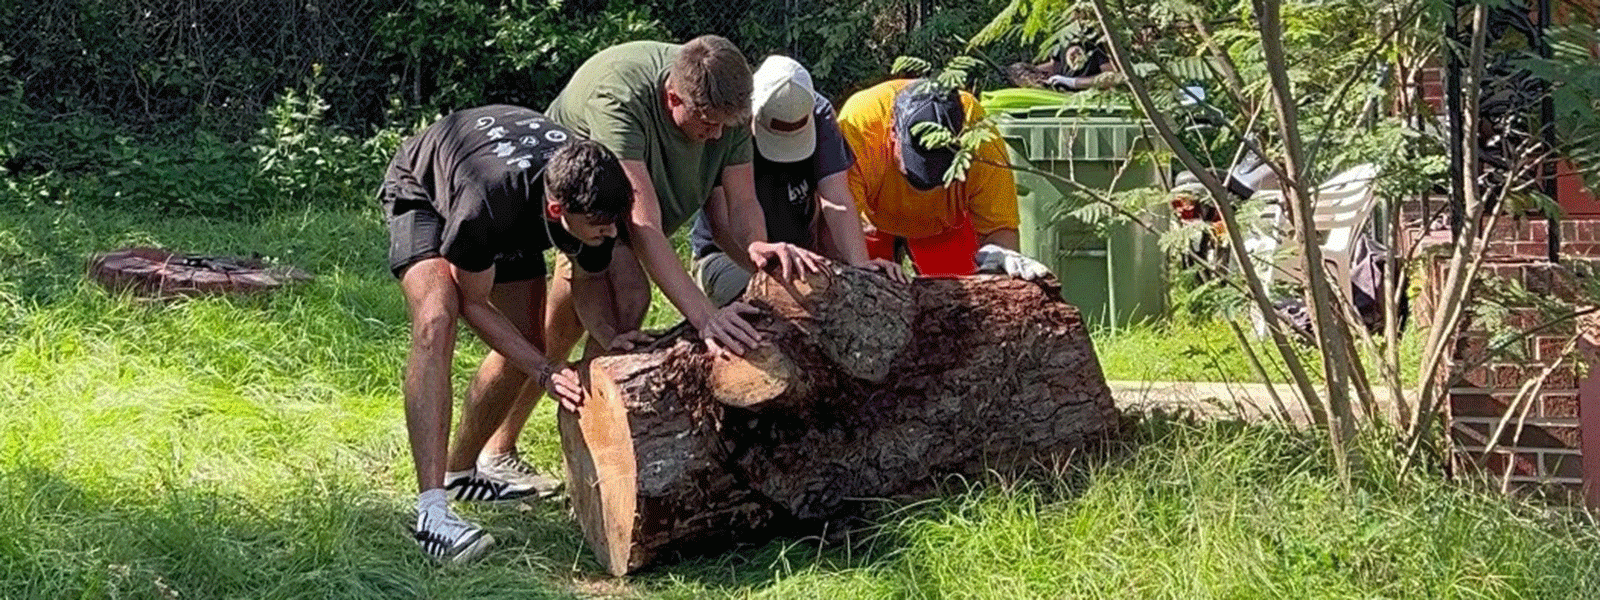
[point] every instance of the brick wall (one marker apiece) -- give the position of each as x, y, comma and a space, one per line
1541, 442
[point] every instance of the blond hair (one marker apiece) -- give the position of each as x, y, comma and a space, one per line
711, 74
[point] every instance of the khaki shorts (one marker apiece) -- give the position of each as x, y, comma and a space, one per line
721, 278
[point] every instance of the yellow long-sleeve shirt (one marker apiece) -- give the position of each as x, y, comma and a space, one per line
890, 203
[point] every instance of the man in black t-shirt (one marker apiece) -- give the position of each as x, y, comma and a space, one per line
472, 202
801, 162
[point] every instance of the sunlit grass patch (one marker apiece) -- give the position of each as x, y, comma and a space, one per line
255, 448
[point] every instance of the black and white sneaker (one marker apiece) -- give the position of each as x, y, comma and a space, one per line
448, 539
478, 486
511, 468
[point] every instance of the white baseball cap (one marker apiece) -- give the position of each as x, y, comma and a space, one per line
781, 108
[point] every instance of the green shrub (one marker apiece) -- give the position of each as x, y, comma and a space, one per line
85, 161
848, 47
464, 53
197, 174
303, 160
298, 158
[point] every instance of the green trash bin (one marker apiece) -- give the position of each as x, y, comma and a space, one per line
1116, 279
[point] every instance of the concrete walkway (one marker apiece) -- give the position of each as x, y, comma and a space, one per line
1250, 401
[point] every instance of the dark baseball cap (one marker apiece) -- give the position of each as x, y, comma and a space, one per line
923, 102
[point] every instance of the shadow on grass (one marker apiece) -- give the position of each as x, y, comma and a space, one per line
60, 538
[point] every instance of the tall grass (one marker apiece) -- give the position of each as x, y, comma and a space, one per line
254, 448
1189, 510
1178, 350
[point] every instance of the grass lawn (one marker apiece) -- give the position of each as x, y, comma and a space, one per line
1186, 349
254, 448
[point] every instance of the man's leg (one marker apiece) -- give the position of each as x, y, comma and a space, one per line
494, 389
720, 277
434, 305
626, 289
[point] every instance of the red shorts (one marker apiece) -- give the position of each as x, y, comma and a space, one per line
945, 253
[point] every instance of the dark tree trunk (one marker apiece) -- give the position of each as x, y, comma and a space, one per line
868, 390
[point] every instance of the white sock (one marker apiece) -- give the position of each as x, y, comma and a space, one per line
486, 456
453, 475
433, 501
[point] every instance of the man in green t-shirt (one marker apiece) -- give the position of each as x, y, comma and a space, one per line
677, 117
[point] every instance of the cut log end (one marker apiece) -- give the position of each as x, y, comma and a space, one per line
760, 375
597, 447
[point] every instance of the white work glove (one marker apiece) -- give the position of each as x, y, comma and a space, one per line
1103, 81
992, 258
1061, 82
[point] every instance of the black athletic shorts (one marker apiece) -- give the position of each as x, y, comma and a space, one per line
416, 229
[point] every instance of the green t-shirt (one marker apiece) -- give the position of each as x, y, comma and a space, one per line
616, 98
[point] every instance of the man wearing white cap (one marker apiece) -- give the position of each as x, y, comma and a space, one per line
801, 167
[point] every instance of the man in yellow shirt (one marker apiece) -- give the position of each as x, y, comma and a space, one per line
956, 229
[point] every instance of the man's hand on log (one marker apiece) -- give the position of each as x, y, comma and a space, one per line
993, 258
889, 268
728, 329
793, 260
563, 383
628, 341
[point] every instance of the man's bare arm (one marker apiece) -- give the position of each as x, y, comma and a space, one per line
724, 326
1005, 238
749, 227
501, 335
492, 325
843, 225
747, 221
722, 229
839, 218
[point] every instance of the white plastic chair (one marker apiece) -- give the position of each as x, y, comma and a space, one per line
1262, 237
1341, 206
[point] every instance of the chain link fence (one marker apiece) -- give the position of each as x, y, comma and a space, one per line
219, 64
151, 62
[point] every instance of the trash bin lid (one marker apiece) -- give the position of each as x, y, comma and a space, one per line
1033, 102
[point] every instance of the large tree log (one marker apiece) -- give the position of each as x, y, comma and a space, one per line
868, 390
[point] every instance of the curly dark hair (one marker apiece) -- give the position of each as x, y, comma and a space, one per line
586, 178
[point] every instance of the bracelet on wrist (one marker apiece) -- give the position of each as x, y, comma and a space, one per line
546, 373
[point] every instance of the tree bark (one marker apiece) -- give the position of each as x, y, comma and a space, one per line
866, 390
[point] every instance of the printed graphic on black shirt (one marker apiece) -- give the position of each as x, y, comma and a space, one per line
483, 170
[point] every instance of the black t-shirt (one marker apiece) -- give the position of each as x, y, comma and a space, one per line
787, 191
483, 169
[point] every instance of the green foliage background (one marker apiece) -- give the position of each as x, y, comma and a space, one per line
256, 105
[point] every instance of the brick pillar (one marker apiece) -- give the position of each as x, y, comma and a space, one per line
1589, 407
1537, 439
1532, 439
